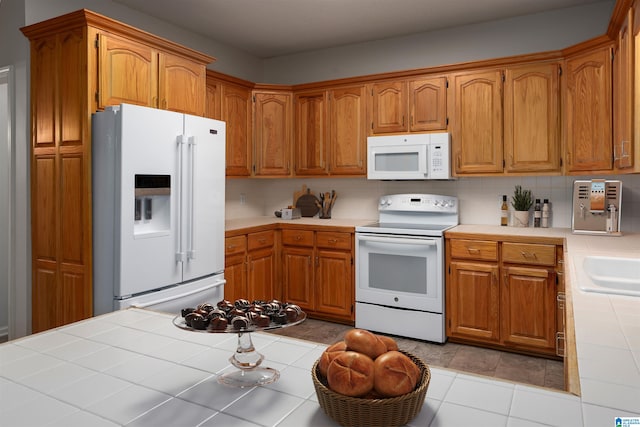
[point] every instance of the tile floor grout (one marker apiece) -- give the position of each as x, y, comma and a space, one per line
514, 367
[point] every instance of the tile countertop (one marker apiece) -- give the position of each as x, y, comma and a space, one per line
134, 367
242, 223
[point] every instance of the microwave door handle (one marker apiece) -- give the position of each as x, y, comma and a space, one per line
426, 165
420, 242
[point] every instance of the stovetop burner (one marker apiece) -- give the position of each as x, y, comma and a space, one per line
414, 214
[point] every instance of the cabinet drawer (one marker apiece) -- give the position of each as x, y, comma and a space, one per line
262, 239
328, 239
297, 237
474, 249
235, 245
529, 253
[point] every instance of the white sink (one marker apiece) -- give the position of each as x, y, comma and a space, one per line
611, 275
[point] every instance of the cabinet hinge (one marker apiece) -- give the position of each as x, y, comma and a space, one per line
446, 121
504, 164
504, 78
97, 42
560, 70
254, 98
449, 269
97, 96
446, 83
560, 161
351, 308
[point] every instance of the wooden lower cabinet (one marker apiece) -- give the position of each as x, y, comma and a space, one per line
474, 311
528, 307
504, 294
317, 273
250, 268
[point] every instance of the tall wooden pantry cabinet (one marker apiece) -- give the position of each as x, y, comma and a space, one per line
81, 62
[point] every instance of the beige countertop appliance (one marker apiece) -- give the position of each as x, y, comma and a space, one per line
596, 207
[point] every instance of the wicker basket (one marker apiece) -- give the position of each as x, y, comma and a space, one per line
358, 412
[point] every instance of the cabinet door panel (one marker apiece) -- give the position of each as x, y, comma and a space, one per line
531, 119
260, 277
529, 307
477, 127
297, 271
474, 301
272, 134
181, 85
236, 112
334, 283
428, 103
235, 273
348, 140
588, 113
44, 61
127, 73
623, 148
311, 139
389, 107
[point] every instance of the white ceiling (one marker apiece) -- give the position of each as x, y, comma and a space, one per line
268, 28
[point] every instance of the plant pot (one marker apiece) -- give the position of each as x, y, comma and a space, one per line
520, 218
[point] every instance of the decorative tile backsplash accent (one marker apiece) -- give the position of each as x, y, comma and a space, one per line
479, 198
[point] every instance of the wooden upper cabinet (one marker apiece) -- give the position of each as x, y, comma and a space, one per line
236, 110
181, 85
623, 146
588, 121
136, 73
409, 105
531, 118
389, 107
428, 104
127, 72
476, 139
311, 144
213, 100
273, 127
347, 131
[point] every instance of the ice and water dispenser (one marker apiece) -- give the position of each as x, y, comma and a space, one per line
152, 205
596, 207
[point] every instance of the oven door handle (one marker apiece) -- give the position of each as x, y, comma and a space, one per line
399, 240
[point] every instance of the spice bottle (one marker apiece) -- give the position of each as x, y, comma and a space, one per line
504, 212
537, 214
545, 214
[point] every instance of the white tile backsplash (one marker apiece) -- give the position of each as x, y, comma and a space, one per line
480, 198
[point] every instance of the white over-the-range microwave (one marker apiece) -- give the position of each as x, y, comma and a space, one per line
409, 157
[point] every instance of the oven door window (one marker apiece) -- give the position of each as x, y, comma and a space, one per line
403, 272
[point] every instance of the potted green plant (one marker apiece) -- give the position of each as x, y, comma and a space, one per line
521, 202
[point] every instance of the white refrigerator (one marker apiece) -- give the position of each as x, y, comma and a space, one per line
158, 209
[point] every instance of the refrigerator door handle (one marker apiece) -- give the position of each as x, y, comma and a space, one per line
191, 246
180, 253
179, 296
